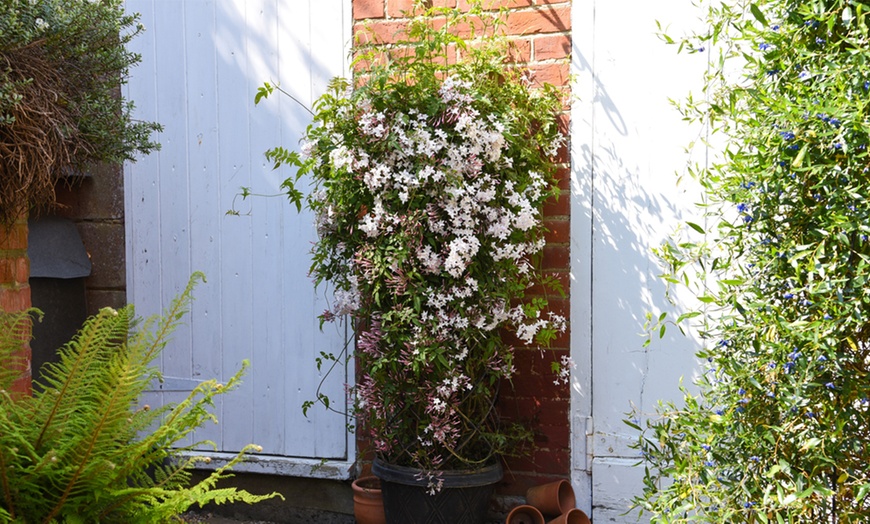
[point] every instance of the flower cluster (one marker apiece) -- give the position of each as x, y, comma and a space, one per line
429, 185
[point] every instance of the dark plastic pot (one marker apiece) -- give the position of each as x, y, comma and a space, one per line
463, 499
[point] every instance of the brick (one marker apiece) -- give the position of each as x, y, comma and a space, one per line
562, 276
495, 5
14, 237
540, 410
14, 269
363, 9
556, 74
15, 298
555, 437
399, 8
563, 175
563, 155
379, 32
534, 378
551, 47
565, 120
552, 461
468, 28
23, 385
556, 257
561, 206
364, 65
539, 20
520, 51
558, 231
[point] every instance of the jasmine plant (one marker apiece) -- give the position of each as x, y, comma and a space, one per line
429, 174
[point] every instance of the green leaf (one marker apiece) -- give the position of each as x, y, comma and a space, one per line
799, 159
696, 227
263, 92
756, 12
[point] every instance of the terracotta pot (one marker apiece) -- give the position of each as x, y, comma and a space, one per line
525, 515
368, 503
553, 498
572, 516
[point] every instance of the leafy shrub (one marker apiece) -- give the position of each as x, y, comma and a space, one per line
83, 448
780, 430
61, 65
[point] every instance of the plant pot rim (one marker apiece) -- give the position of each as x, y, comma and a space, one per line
368, 484
455, 478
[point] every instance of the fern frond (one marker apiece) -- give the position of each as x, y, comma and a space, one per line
206, 492
71, 386
80, 451
15, 331
157, 330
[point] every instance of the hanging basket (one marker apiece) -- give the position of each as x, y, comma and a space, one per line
463, 498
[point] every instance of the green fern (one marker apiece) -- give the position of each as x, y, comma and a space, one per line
82, 450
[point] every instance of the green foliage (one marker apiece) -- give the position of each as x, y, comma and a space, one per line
84, 448
62, 63
780, 430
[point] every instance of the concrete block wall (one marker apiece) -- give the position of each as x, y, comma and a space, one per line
95, 204
541, 33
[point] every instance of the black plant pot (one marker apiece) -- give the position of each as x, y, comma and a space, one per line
463, 499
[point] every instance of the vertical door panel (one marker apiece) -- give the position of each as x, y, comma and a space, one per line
203, 61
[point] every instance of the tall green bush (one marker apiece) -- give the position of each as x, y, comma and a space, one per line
780, 431
84, 448
62, 63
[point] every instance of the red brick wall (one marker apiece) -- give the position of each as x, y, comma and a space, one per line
541, 32
14, 286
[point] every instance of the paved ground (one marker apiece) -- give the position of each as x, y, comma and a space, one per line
292, 516
208, 518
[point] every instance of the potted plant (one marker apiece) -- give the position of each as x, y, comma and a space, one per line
429, 174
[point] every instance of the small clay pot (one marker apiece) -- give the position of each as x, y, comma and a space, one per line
553, 498
368, 503
524, 515
572, 516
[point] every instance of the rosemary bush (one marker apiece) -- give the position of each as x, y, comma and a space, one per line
780, 429
62, 63
83, 448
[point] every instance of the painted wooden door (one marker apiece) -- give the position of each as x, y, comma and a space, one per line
629, 148
202, 61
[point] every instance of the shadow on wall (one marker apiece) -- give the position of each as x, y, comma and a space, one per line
627, 169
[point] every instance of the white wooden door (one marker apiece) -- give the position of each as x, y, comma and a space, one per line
628, 143
202, 61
